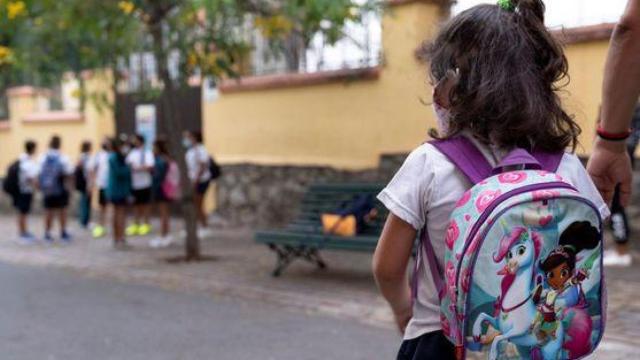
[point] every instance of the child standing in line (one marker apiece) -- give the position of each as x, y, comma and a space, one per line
53, 181
118, 190
164, 172
141, 162
101, 182
27, 172
84, 178
495, 70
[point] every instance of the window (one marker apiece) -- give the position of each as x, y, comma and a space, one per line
360, 48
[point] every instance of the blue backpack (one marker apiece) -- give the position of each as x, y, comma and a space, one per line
51, 176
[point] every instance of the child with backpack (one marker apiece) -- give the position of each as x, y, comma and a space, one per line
140, 161
118, 191
84, 179
53, 181
166, 188
490, 198
199, 172
20, 183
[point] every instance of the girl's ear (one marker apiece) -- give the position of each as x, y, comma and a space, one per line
442, 90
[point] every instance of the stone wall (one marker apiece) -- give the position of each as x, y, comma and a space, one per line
268, 196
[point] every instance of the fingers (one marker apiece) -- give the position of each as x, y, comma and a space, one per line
625, 192
605, 188
607, 195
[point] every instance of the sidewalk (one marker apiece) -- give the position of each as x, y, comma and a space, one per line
242, 269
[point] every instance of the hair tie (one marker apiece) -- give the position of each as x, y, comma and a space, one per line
506, 5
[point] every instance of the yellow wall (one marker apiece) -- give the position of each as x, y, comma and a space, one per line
346, 125
93, 124
584, 92
349, 125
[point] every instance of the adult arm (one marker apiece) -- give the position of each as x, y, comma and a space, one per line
390, 262
609, 164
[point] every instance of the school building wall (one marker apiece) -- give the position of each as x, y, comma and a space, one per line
30, 118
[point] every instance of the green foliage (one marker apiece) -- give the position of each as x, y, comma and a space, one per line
46, 38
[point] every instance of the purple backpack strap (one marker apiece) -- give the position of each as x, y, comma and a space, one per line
466, 157
548, 161
436, 273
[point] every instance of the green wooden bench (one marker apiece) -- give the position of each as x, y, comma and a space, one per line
303, 238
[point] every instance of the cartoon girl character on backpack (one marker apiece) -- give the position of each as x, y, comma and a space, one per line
564, 299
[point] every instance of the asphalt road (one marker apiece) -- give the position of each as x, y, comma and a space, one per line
49, 314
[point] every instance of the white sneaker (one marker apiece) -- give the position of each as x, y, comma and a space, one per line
160, 242
155, 242
613, 258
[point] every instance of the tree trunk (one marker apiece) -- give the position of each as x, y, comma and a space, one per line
173, 126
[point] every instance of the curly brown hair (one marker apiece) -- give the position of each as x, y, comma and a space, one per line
509, 71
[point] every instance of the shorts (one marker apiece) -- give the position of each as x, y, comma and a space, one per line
56, 201
433, 345
102, 197
22, 202
118, 201
202, 187
141, 196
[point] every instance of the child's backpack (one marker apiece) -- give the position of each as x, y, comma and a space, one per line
523, 276
214, 169
11, 183
171, 182
51, 176
80, 178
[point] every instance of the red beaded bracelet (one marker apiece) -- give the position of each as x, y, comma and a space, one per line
605, 135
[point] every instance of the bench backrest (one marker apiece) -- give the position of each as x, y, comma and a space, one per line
327, 198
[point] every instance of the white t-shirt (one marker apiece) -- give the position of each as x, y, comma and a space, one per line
27, 173
426, 188
102, 169
197, 156
140, 161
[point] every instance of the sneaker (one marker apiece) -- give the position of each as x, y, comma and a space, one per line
131, 230
613, 258
144, 229
65, 237
161, 241
48, 238
27, 239
98, 231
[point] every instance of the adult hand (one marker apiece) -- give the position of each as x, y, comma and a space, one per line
610, 165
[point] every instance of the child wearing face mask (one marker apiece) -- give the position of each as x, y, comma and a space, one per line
118, 189
197, 159
495, 70
101, 182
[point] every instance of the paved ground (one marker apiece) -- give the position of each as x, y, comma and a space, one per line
53, 314
240, 272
